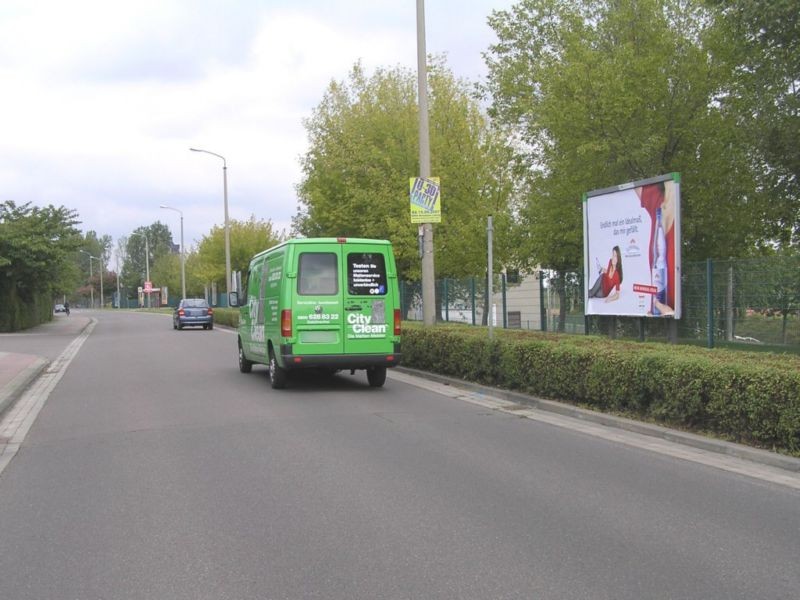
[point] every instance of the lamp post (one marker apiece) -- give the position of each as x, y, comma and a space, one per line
227, 228
146, 262
91, 258
183, 258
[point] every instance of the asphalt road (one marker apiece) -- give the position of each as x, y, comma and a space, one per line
157, 471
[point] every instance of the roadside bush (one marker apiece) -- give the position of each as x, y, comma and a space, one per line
227, 316
750, 398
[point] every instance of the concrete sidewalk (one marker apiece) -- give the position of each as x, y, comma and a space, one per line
19, 369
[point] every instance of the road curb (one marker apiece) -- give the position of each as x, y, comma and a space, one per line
700, 442
11, 391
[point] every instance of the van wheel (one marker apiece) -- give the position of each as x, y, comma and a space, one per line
376, 376
245, 366
277, 374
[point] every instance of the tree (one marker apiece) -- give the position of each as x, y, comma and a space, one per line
761, 42
159, 241
600, 93
99, 248
166, 272
364, 148
247, 238
37, 246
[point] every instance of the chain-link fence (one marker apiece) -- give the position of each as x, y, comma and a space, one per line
724, 302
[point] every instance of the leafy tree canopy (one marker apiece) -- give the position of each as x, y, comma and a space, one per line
601, 93
364, 148
156, 238
36, 249
247, 238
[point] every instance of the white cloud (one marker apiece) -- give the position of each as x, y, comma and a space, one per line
103, 99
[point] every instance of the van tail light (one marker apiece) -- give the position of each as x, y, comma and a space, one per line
286, 323
210, 310
397, 321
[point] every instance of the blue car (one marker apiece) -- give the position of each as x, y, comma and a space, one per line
193, 312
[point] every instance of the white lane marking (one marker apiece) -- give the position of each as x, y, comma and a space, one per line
628, 438
18, 420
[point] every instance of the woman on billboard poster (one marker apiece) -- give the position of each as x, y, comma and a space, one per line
609, 278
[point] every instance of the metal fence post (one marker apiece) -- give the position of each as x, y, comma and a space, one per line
542, 304
505, 305
446, 302
472, 292
729, 305
710, 301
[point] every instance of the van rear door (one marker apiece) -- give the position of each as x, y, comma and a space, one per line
318, 300
368, 299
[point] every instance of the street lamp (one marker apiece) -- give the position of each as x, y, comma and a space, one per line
146, 262
227, 227
183, 258
91, 258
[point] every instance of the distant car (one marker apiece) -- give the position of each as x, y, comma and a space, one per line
59, 308
193, 312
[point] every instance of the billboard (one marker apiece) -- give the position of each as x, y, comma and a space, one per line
631, 249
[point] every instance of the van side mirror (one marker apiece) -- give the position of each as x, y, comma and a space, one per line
233, 299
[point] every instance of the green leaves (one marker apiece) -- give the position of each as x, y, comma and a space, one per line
364, 148
35, 246
247, 238
601, 93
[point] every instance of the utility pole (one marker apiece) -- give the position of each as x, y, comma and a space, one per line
428, 274
490, 291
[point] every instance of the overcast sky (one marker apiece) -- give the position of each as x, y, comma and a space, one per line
101, 100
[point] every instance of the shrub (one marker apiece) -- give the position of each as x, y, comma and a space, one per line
751, 398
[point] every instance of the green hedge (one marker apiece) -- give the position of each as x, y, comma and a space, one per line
752, 398
227, 316
17, 314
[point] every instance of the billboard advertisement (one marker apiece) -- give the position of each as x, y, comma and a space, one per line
631, 247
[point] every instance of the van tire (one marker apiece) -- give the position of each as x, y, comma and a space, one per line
376, 376
277, 374
245, 366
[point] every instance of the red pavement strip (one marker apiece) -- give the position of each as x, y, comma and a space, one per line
17, 371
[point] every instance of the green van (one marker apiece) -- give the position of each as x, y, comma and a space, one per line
323, 303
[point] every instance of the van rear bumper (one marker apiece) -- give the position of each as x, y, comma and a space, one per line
338, 361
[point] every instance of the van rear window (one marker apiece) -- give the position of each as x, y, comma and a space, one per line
366, 274
317, 274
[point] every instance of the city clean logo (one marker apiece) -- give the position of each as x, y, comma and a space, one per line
363, 325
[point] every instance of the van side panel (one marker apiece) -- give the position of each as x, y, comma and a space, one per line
251, 328
274, 290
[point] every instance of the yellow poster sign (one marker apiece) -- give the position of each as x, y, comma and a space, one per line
426, 201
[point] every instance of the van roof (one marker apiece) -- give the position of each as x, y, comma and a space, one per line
327, 240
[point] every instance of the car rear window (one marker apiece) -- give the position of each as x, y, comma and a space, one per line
190, 303
317, 274
366, 274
